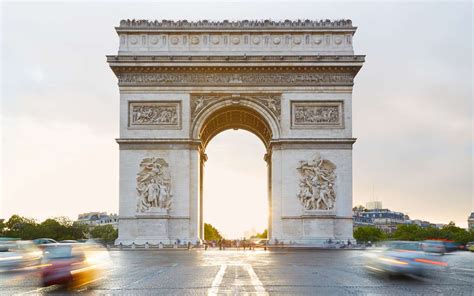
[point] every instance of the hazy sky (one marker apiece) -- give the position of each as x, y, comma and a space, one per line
412, 109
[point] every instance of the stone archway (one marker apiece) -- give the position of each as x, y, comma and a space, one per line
182, 83
236, 112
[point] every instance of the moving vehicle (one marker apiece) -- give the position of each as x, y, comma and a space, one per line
404, 258
44, 241
470, 246
72, 265
433, 246
19, 254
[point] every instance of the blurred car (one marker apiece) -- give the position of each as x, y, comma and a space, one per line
404, 258
19, 254
73, 265
44, 241
451, 246
7, 243
470, 246
433, 246
68, 241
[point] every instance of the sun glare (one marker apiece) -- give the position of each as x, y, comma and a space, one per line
235, 184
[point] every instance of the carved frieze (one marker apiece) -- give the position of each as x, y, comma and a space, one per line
317, 114
316, 190
153, 186
235, 79
154, 114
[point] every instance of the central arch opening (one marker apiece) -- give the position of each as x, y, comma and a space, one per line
235, 189
235, 185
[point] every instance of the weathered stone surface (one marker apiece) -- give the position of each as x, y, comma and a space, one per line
290, 83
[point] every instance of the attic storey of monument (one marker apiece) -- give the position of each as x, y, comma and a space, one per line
181, 83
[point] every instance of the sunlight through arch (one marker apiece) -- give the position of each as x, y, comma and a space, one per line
235, 182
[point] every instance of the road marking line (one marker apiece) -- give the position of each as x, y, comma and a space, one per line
40, 290
217, 281
257, 284
462, 269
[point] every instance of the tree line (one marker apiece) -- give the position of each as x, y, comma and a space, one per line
413, 232
58, 228
63, 228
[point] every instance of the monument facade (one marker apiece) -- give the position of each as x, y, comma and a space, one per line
181, 83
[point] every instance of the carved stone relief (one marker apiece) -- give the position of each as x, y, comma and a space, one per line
314, 114
317, 184
271, 102
153, 186
154, 114
229, 79
199, 102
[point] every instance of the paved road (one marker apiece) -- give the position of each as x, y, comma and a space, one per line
237, 272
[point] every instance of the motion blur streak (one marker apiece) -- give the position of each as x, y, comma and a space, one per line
431, 262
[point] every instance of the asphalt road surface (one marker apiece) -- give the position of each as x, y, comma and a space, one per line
238, 272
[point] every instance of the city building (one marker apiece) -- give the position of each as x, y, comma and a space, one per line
470, 222
385, 219
98, 218
374, 205
360, 220
421, 223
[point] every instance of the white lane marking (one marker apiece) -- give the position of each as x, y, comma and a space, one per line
257, 284
217, 281
462, 269
39, 290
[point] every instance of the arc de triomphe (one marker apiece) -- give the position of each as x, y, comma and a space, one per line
181, 83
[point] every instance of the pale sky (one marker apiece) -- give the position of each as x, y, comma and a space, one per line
412, 109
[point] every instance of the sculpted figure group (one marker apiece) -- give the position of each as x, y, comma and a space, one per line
316, 114
154, 115
153, 185
317, 180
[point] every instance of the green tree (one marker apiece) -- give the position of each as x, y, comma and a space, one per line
409, 232
61, 228
263, 235
2, 227
359, 208
211, 233
105, 232
21, 227
367, 233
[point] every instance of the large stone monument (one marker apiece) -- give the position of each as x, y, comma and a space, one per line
181, 83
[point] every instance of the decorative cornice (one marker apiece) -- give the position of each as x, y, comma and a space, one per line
320, 59
312, 141
321, 143
241, 25
149, 143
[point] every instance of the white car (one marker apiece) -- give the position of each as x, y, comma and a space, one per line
20, 254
